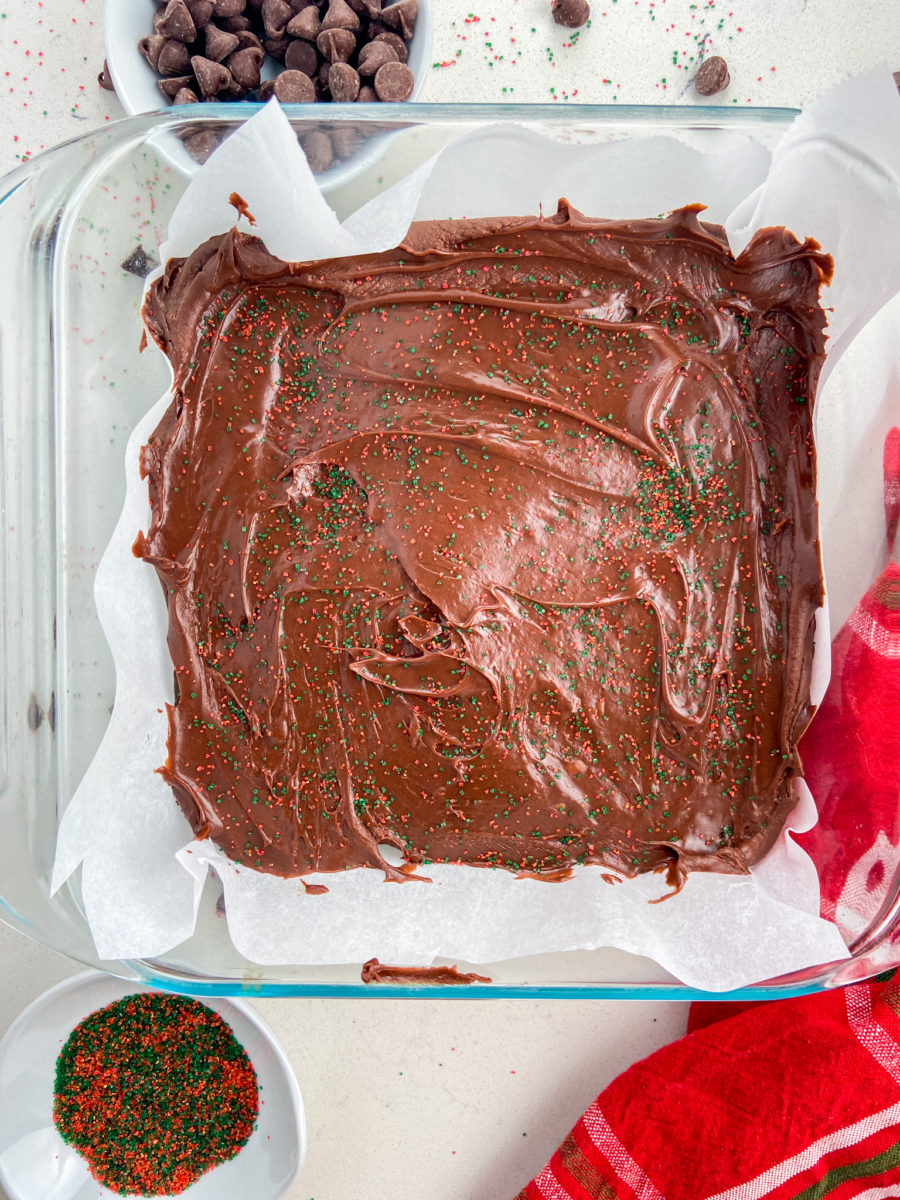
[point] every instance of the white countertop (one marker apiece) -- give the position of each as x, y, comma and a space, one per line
443, 1099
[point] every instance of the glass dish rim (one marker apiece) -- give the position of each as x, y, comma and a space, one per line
613, 116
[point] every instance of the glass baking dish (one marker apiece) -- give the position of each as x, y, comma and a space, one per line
73, 385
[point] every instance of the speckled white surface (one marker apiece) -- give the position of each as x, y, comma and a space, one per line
451, 1100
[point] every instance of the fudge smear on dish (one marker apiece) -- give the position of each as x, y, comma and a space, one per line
499, 547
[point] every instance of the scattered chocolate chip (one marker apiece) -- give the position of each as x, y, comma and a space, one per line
340, 16
373, 56
228, 8
302, 56
275, 15
139, 263
211, 76
236, 24
343, 83
336, 44
293, 87
712, 76
366, 95
318, 150
266, 90
306, 24
217, 45
184, 96
201, 12
174, 58
245, 66
394, 82
150, 47
105, 79
171, 87
176, 22
571, 14
396, 43
402, 16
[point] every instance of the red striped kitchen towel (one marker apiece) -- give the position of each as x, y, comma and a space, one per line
797, 1098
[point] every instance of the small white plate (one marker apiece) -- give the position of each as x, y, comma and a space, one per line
36, 1164
126, 21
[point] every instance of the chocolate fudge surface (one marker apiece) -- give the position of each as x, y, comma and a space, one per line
499, 548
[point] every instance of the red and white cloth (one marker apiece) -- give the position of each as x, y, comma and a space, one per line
796, 1098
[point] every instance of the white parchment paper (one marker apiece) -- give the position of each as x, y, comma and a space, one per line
836, 177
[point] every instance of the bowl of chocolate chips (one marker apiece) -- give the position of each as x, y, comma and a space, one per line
163, 53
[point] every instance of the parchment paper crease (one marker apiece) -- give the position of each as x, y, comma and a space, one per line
836, 177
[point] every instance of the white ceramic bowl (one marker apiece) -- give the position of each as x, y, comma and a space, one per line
36, 1164
126, 21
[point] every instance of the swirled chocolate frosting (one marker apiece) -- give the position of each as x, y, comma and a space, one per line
499, 548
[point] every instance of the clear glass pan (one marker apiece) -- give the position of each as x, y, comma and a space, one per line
72, 385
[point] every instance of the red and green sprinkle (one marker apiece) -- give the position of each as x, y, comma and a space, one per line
154, 1091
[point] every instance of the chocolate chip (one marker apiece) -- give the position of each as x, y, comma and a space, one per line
139, 263
228, 8
201, 145
184, 96
344, 140
245, 66
266, 90
396, 43
176, 22
246, 39
402, 16
277, 47
366, 8
174, 58
318, 150
201, 12
236, 24
572, 14
366, 95
275, 15
218, 44
105, 79
171, 87
302, 56
394, 82
375, 55
150, 47
306, 24
336, 44
340, 16
298, 6
712, 76
212, 77
343, 83
293, 87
